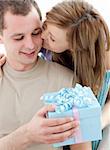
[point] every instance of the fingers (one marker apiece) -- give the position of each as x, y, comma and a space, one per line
55, 130
1, 55
53, 121
57, 121
64, 127
2, 59
60, 137
43, 111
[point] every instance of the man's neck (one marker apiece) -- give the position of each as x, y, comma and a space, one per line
22, 67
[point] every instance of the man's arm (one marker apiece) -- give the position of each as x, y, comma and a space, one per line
39, 130
18, 140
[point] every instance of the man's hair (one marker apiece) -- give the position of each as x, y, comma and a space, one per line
88, 38
16, 7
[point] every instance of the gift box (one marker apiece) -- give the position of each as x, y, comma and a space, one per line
79, 103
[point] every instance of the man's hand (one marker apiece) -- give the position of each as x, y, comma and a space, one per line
48, 131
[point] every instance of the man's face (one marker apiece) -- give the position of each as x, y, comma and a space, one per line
22, 39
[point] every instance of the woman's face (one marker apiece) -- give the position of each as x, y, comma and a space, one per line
54, 38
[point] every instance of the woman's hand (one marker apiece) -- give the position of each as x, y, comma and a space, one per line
2, 59
2, 62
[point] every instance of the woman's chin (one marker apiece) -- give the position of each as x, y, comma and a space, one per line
46, 46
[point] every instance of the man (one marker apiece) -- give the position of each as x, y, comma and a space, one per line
25, 78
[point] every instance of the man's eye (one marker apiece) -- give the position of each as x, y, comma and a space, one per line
20, 38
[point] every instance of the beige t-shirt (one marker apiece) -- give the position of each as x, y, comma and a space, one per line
20, 94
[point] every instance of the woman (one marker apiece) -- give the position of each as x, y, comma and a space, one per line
78, 37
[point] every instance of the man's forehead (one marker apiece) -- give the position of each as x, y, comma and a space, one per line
19, 22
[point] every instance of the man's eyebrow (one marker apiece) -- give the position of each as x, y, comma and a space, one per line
17, 34
21, 34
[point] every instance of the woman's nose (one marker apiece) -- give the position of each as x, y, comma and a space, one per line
44, 35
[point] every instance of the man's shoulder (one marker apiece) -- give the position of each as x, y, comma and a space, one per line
58, 73
62, 74
55, 67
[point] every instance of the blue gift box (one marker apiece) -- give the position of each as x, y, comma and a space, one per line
88, 112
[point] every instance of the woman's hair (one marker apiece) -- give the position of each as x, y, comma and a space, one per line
88, 38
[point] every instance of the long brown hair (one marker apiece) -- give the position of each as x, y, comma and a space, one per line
88, 38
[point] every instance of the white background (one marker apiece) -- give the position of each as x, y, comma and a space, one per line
103, 6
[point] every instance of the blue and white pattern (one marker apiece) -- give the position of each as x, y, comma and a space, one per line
67, 98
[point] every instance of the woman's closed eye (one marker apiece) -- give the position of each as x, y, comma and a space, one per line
37, 32
52, 39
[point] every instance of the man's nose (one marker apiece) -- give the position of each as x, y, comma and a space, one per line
29, 43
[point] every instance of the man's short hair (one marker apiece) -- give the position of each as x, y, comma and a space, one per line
16, 7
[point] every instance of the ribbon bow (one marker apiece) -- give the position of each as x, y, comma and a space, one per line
67, 98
